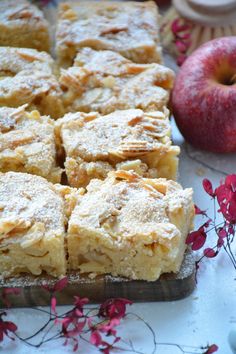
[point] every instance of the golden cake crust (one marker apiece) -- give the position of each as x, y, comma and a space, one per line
130, 226
129, 139
27, 143
22, 24
27, 77
105, 81
130, 28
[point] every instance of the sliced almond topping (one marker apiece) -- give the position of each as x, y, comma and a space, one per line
114, 30
155, 193
28, 57
134, 148
129, 176
69, 15
35, 234
13, 226
135, 121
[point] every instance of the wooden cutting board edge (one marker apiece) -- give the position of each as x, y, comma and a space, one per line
168, 287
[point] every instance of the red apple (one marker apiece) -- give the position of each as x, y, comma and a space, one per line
204, 96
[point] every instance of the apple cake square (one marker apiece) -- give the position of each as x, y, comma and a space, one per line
132, 139
130, 226
22, 24
33, 216
105, 81
27, 76
130, 28
27, 143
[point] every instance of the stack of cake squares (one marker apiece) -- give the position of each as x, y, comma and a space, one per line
87, 165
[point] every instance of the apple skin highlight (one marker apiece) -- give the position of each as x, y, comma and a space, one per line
203, 99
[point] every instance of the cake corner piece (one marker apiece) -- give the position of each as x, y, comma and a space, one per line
33, 216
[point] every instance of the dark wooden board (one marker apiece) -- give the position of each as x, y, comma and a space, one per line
169, 287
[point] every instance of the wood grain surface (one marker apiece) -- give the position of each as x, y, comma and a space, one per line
168, 287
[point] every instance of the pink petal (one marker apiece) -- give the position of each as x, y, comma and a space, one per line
61, 284
212, 349
53, 304
223, 195
220, 242
181, 46
196, 239
231, 230
231, 181
232, 210
10, 326
79, 303
199, 242
207, 185
222, 233
178, 26
114, 308
76, 346
209, 253
198, 211
185, 36
175, 27
95, 338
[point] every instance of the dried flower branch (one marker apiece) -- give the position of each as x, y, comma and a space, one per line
6, 327
224, 206
96, 326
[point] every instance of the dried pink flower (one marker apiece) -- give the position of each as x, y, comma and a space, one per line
114, 308
196, 239
209, 252
207, 185
58, 286
198, 211
6, 327
181, 30
211, 349
225, 195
